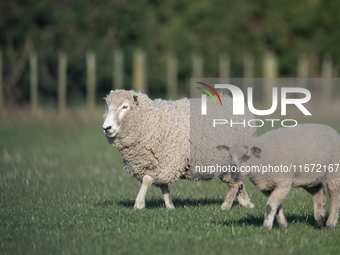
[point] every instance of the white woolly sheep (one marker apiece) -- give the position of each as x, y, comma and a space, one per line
153, 138
303, 146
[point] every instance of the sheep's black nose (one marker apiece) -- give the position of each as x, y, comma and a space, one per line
107, 128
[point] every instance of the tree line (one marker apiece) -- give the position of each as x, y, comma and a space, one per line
291, 29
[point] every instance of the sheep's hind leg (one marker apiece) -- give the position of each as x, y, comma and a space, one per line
333, 187
140, 200
318, 194
281, 219
166, 195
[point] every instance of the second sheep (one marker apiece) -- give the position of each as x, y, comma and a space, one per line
292, 157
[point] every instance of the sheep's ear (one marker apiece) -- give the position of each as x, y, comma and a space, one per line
256, 151
223, 148
135, 99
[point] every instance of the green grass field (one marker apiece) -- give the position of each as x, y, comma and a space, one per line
63, 190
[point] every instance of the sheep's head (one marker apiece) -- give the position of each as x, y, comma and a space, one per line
240, 155
119, 104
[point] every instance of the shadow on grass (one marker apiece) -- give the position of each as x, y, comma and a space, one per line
158, 203
258, 221
248, 219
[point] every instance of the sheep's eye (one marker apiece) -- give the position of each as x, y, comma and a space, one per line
124, 107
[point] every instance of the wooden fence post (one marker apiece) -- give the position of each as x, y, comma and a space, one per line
197, 72
248, 70
327, 70
118, 69
270, 70
224, 67
248, 65
172, 66
1, 82
62, 81
139, 71
34, 81
303, 70
91, 79
197, 66
303, 66
335, 71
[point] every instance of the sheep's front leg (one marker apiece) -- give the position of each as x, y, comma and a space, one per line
140, 200
275, 199
236, 188
232, 191
243, 198
166, 195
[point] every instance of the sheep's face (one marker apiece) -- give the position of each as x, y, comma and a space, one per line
240, 155
117, 108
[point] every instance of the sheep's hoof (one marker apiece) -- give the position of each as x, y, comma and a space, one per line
139, 206
329, 225
250, 205
170, 207
331, 222
321, 222
245, 203
266, 227
283, 225
225, 206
